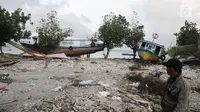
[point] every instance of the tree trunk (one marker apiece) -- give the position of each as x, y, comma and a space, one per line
1, 50
199, 43
107, 54
134, 53
88, 55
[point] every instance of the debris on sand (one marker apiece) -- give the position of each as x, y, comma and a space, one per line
6, 80
66, 103
87, 82
93, 62
104, 93
104, 87
135, 67
7, 60
59, 88
150, 88
135, 84
117, 98
156, 73
103, 84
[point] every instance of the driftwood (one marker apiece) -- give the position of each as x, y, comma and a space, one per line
8, 63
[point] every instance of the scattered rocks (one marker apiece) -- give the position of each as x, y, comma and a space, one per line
104, 94
93, 62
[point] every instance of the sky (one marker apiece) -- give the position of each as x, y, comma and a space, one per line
163, 17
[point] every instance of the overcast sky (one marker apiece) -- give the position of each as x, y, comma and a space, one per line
164, 17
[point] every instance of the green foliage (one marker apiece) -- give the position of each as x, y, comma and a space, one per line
50, 34
175, 51
3, 44
182, 50
113, 30
136, 34
12, 25
188, 34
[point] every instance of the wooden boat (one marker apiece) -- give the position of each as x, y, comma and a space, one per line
70, 47
150, 51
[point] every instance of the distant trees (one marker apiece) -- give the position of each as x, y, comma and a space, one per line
116, 31
136, 33
50, 34
187, 40
12, 25
188, 34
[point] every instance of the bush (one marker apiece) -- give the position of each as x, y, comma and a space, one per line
182, 50
50, 33
175, 51
155, 85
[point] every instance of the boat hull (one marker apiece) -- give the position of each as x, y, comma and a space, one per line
147, 55
76, 51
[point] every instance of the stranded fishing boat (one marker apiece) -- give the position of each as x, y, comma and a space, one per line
150, 51
70, 47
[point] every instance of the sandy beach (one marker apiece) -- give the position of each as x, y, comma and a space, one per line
88, 85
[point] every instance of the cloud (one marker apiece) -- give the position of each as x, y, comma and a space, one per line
165, 18
73, 21
14, 4
67, 19
85, 19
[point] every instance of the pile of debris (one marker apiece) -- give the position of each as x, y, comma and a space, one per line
149, 87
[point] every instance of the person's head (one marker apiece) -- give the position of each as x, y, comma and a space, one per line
174, 67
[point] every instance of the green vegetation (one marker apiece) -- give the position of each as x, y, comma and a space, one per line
188, 34
182, 50
136, 34
116, 31
175, 51
12, 25
50, 34
113, 30
187, 40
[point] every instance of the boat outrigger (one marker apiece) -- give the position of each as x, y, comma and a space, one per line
150, 51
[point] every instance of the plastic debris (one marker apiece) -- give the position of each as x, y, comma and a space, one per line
87, 82
59, 88
102, 84
135, 84
4, 76
104, 93
116, 98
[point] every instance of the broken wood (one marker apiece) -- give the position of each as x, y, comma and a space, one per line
8, 63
